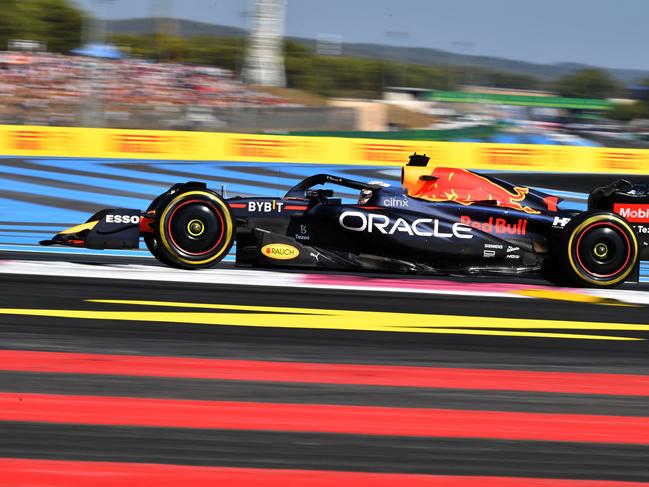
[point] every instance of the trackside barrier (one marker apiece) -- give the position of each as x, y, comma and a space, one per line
201, 146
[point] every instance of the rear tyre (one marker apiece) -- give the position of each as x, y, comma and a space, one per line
597, 250
193, 229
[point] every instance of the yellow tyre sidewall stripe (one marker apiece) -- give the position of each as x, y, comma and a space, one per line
584, 224
227, 221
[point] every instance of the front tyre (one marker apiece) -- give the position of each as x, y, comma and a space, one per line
597, 250
193, 229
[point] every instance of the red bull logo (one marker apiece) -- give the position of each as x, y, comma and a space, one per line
464, 187
498, 226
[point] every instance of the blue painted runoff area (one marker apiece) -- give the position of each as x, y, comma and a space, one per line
49, 194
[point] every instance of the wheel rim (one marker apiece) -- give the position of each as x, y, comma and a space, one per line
603, 250
195, 227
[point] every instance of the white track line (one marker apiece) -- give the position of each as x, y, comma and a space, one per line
75, 251
234, 277
269, 278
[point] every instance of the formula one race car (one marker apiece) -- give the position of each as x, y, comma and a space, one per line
441, 221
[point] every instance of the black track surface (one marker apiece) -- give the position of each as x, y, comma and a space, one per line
310, 450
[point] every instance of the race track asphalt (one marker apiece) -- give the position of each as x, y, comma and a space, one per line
539, 428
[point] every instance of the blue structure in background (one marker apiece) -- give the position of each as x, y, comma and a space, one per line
104, 51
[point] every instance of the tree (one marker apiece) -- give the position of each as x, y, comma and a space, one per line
224, 52
587, 83
638, 109
62, 24
9, 22
626, 112
296, 49
510, 80
55, 22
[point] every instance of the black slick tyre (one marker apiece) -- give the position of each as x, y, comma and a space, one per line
193, 229
597, 250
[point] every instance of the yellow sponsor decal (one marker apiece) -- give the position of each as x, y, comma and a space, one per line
79, 228
147, 143
37, 140
280, 251
517, 156
337, 319
623, 160
382, 152
215, 146
252, 147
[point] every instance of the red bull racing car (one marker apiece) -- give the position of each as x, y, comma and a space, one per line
440, 221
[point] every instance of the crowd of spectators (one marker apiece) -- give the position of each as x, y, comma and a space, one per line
56, 89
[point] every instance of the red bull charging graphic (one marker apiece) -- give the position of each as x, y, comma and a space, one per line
463, 187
